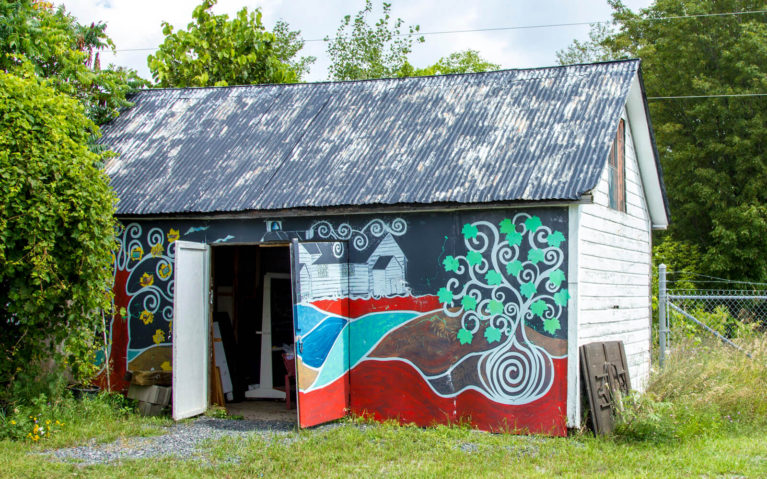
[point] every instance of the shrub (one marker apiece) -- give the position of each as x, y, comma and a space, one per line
56, 234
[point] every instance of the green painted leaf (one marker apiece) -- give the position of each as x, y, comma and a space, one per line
533, 223
561, 297
469, 231
514, 238
538, 307
507, 227
495, 307
469, 303
450, 263
556, 277
528, 290
493, 277
474, 258
464, 336
555, 239
535, 256
551, 326
492, 334
514, 267
445, 295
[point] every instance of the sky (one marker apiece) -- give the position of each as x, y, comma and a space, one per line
137, 24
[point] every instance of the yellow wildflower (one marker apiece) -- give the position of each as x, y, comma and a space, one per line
13, 422
47, 422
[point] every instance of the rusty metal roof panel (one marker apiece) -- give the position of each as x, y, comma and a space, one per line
531, 135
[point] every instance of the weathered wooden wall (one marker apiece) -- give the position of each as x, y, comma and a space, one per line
615, 270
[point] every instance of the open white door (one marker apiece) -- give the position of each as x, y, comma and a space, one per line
191, 276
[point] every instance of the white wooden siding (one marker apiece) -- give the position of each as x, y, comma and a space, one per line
614, 256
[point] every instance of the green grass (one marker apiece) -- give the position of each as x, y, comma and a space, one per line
705, 415
354, 450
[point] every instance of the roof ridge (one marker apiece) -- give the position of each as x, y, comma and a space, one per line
337, 82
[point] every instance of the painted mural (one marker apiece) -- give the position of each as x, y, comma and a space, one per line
427, 318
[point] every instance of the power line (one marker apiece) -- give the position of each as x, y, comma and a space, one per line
683, 97
522, 27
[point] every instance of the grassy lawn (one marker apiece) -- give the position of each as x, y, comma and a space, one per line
372, 450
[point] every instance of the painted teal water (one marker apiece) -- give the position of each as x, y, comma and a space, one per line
360, 336
309, 317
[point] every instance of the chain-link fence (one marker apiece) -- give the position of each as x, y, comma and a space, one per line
724, 313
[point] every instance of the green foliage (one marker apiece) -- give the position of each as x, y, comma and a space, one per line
492, 334
469, 231
705, 388
37, 39
712, 149
593, 50
47, 418
467, 61
469, 303
464, 336
56, 231
450, 263
215, 50
360, 51
474, 258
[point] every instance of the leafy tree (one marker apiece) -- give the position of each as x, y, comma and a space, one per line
287, 45
593, 50
511, 276
712, 148
216, 50
467, 61
360, 51
56, 231
50, 43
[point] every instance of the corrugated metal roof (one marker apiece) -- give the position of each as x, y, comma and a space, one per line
535, 134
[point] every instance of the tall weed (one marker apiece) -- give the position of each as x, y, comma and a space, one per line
705, 387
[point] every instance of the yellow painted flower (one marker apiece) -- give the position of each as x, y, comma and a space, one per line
123, 313
157, 250
172, 235
159, 336
165, 366
136, 253
164, 271
146, 280
146, 316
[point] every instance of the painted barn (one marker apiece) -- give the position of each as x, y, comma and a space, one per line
432, 249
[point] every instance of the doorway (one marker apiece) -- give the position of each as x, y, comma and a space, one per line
253, 328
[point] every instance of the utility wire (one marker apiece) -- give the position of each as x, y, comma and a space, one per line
522, 27
730, 95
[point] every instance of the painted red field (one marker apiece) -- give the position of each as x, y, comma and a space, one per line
394, 390
359, 306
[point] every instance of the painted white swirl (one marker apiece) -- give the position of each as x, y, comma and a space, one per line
518, 372
359, 239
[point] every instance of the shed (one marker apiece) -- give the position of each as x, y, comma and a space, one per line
431, 249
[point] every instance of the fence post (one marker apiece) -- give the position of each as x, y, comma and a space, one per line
662, 315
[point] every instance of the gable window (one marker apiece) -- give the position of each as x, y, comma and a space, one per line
617, 170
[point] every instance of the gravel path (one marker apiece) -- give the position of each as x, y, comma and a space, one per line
182, 440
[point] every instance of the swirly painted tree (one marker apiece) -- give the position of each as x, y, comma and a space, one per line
511, 275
